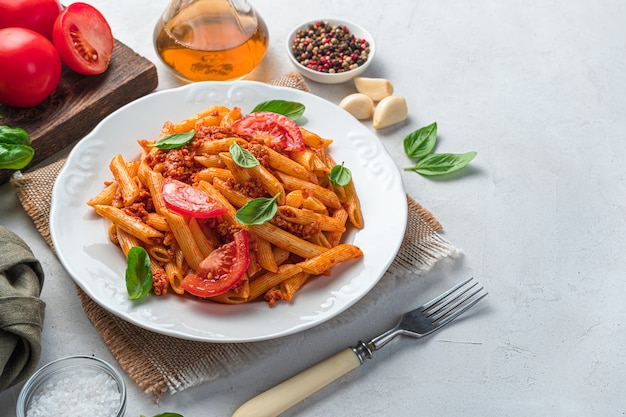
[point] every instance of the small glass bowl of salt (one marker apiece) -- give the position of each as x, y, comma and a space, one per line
73, 386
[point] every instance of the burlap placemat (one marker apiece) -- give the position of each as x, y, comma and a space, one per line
146, 356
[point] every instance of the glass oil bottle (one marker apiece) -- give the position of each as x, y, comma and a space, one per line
211, 40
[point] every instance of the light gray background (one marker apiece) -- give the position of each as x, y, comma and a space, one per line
537, 88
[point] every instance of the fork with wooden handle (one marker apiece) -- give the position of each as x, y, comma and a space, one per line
416, 323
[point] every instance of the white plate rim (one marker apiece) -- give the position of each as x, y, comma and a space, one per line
98, 270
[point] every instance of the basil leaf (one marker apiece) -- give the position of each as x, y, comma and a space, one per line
340, 175
258, 211
14, 136
242, 157
291, 109
174, 141
15, 156
420, 143
443, 163
138, 274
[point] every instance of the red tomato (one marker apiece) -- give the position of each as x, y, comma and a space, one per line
37, 15
30, 67
83, 38
190, 201
272, 129
221, 270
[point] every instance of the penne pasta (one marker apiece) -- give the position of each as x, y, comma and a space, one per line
130, 224
127, 185
125, 240
104, 197
284, 164
265, 255
303, 199
209, 160
214, 192
269, 182
320, 240
320, 264
217, 146
210, 116
175, 276
304, 158
290, 286
254, 267
269, 280
333, 238
280, 255
185, 239
205, 245
209, 174
313, 140
286, 240
157, 221
230, 116
325, 195
159, 253
154, 181
295, 215
242, 175
353, 206
234, 197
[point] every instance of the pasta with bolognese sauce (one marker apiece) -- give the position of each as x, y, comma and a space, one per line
300, 241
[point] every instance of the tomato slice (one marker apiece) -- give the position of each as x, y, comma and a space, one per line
83, 38
221, 270
272, 129
190, 201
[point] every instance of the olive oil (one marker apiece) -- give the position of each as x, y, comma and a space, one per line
211, 40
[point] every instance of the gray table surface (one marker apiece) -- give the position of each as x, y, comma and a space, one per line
538, 89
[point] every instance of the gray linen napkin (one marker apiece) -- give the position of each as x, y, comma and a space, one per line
21, 309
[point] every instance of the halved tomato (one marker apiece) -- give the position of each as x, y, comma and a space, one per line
83, 38
190, 201
221, 270
271, 129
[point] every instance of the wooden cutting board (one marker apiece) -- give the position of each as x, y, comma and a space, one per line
79, 103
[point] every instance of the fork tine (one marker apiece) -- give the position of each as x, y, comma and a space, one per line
448, 304
454, 311
445, 294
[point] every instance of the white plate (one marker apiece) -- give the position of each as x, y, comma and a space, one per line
98, 266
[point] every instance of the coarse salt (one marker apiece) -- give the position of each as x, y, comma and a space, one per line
77, 392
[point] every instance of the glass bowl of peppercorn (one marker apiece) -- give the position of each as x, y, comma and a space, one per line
330, 51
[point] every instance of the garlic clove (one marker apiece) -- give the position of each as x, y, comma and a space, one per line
389, 111
375, 88
359, 105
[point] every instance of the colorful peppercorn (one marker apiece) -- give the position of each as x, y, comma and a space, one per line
331, 49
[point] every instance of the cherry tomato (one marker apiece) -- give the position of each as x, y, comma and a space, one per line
37, 15
221, 270
83, 38
272, 129
190, 201
30, 67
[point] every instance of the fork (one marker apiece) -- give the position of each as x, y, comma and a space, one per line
416, 323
